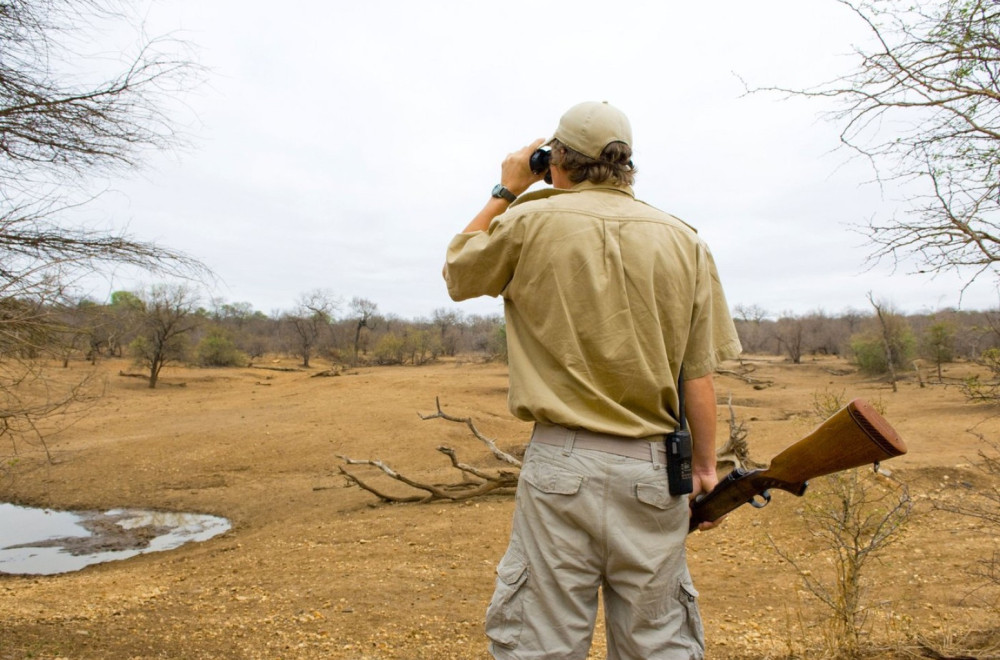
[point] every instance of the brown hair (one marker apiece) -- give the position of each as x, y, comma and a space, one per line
615, 165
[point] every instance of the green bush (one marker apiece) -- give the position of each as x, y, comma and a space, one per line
217, 349
499, 344
389, 349
422, 346
870, 352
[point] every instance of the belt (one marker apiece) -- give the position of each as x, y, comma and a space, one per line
651, 448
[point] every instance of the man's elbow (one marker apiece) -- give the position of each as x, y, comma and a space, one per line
453, 291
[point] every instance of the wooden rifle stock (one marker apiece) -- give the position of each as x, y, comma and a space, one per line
855, 435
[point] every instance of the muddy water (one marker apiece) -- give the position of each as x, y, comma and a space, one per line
46, 542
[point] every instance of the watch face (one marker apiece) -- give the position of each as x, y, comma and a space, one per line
498, 190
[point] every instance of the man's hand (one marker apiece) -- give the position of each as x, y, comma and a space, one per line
516, 176
704, 481
515, 173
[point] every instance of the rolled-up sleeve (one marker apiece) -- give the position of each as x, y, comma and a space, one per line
481, 263
713, 336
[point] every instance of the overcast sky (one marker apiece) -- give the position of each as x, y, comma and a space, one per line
340, 145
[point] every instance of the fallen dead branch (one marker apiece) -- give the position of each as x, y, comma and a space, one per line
475, 481
162, 383
466, 489
744, 375
984, 648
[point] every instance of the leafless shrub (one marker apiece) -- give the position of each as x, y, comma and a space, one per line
982, 502
853, 516
986, 389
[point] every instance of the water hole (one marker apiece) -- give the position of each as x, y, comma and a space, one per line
47, 542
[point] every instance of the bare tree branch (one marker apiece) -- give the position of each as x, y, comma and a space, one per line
68, 113
475, 481
922, 105
490, 443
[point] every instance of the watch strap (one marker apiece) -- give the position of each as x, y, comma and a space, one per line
501, 192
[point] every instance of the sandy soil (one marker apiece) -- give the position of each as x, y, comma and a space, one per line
314, 569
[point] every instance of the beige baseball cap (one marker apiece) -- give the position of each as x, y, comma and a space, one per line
591, 126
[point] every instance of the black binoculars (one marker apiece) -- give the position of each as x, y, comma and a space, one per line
539, 162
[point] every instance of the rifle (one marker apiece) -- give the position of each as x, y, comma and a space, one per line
853, 436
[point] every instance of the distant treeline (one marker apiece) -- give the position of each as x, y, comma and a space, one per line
869, 336
166, 324
357, 333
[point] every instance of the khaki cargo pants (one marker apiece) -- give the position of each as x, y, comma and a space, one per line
586, 521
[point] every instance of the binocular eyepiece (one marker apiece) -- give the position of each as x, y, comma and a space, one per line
539, 162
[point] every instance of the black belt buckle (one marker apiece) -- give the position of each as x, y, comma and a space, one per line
679, 469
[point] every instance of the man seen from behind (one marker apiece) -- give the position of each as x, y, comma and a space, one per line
608, 302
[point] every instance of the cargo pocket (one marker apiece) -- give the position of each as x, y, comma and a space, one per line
504, 616
692, 629
656, 495
551, 479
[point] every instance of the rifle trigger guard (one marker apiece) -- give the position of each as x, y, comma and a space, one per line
765, 497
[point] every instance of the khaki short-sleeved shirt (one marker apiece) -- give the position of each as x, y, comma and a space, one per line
605, 298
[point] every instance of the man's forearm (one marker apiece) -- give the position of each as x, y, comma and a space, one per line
482, 221
699, 399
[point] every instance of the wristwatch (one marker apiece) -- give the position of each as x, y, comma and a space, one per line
500, 192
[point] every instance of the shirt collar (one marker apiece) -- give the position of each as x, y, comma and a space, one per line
587, 185
544, 193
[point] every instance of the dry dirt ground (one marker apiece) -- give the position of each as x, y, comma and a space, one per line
314, 569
